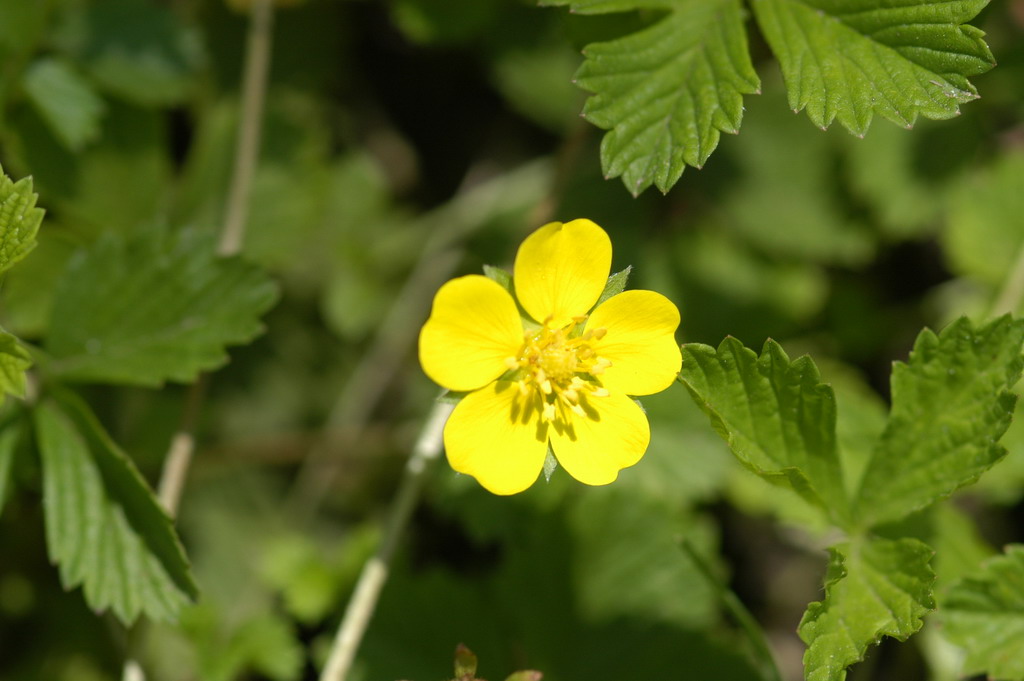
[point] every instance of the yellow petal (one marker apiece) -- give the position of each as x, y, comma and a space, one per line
473, 327
500, 445
561, 269
614, 435
640, 342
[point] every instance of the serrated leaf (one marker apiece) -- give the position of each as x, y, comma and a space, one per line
104, 527
19, 220
160, 307
14, 362
852, 59
950, 405
874, 587
666, 93
985, 231
68, 104
984, 615
777, 416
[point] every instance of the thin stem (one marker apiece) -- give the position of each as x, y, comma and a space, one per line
254, 91
179, 456
735, 607
375, 573
254, 88
1012, 294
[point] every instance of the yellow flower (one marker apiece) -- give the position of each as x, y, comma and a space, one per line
561, 378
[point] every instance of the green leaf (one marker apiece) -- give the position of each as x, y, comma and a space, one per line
616, 285
985, 232
500, 276
160, 307
667, 92
19, 220
14, 361
984, 614
950, 404
66, 102
139, 51
776, 415
104, 527
131, 155
874, 587
851, 59
9, 436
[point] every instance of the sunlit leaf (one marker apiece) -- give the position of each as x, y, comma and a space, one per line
950, 405
160, 307
104, 527
19, 220
852, 59
667, 92
874, 587
984, 615
777, 416
14, 361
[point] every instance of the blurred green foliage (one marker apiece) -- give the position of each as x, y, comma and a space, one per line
406, 142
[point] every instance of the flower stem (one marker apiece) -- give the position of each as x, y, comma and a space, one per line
375, 572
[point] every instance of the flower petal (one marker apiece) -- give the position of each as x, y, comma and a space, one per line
473, 326
561, 269
595, 448
640, 342
491, 437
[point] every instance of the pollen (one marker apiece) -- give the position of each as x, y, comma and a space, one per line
559, 369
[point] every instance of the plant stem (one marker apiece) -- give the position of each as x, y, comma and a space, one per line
735, 607
179, 456
254, 88
254, 91
1009, 299
257, 59
375, 572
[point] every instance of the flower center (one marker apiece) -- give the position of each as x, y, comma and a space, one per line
560, 369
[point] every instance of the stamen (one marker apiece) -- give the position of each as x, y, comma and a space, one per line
557, 368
